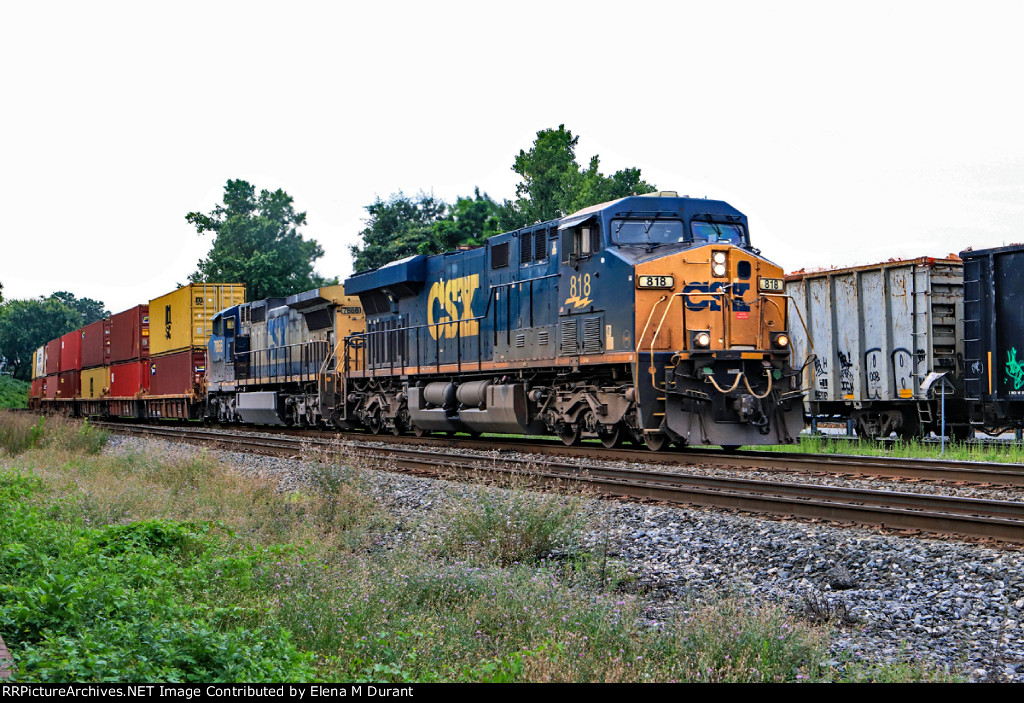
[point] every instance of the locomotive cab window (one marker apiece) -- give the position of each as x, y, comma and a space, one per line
647, 232
717, 232
580, 242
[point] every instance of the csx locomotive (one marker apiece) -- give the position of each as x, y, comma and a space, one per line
649, 319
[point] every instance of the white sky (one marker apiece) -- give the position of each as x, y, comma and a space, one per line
847, 132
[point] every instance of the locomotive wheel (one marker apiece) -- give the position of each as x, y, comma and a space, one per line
397, 429
374, 423
612, 438
656, 442
570, 435
419, 431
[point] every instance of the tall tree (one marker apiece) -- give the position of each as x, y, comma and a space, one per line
554, 185
470, 221
402, 226
25, 325
90, 310
257, 243
396, 228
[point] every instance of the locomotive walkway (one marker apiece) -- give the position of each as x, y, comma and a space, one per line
964, 517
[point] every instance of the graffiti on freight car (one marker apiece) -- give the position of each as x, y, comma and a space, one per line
873, 373
845, 373
1014, 369
820, 378
902, 370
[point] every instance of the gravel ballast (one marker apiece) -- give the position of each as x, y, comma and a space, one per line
953, 604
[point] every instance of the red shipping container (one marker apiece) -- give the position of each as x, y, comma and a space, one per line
129, 379
71, 351
50, 386
70, 384
52, 357
96, 344
177, 374
129, 334
37, 388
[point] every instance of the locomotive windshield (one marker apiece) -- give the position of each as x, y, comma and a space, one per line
717, 232
645, 232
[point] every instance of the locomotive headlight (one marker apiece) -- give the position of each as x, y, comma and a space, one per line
700, 339
780, 340
718, 263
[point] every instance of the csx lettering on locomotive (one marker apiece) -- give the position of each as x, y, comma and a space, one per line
450, 302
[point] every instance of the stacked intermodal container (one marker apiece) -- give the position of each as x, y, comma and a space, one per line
96, 344
181, 328
129, 350
70, 368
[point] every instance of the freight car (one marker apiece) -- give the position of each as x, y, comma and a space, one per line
993, 329
893, 344
649, 318
885, 343
116, 368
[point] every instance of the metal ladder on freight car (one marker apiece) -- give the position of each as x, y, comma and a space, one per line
921, 337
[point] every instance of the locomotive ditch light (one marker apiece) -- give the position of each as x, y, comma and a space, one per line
780, 340
718, 267
700, 339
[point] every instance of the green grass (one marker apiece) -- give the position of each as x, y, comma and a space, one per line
1011, 452
13, 393
133, 566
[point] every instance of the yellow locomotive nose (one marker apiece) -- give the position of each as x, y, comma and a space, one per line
714, 297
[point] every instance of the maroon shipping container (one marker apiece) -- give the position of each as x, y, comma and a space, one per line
52, 357
96, 344
37, 388
177, 374
50, 386
129, 379
71, 351
129, 334
70, 384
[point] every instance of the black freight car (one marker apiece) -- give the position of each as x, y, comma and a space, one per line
994, 336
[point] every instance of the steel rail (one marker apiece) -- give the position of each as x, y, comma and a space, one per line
969, 517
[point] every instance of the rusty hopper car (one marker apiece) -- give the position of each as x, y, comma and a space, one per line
881, 343
649, 318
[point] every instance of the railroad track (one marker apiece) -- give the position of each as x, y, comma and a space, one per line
965, 517
944, 471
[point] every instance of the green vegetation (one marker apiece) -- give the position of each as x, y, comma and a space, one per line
21, 432
26, 325
1010, 452
13, 393
124, 566
257, 242
553, 184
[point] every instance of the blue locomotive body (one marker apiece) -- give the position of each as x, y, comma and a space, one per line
542, 330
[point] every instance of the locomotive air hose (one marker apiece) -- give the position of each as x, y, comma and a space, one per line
731, 388
769, 375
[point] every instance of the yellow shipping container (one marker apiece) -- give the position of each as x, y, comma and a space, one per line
96, 382
182, 320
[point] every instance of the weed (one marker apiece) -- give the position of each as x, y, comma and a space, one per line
511, 524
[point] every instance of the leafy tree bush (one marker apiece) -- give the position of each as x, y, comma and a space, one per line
257, 242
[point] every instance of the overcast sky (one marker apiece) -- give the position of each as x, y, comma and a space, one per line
848, 133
